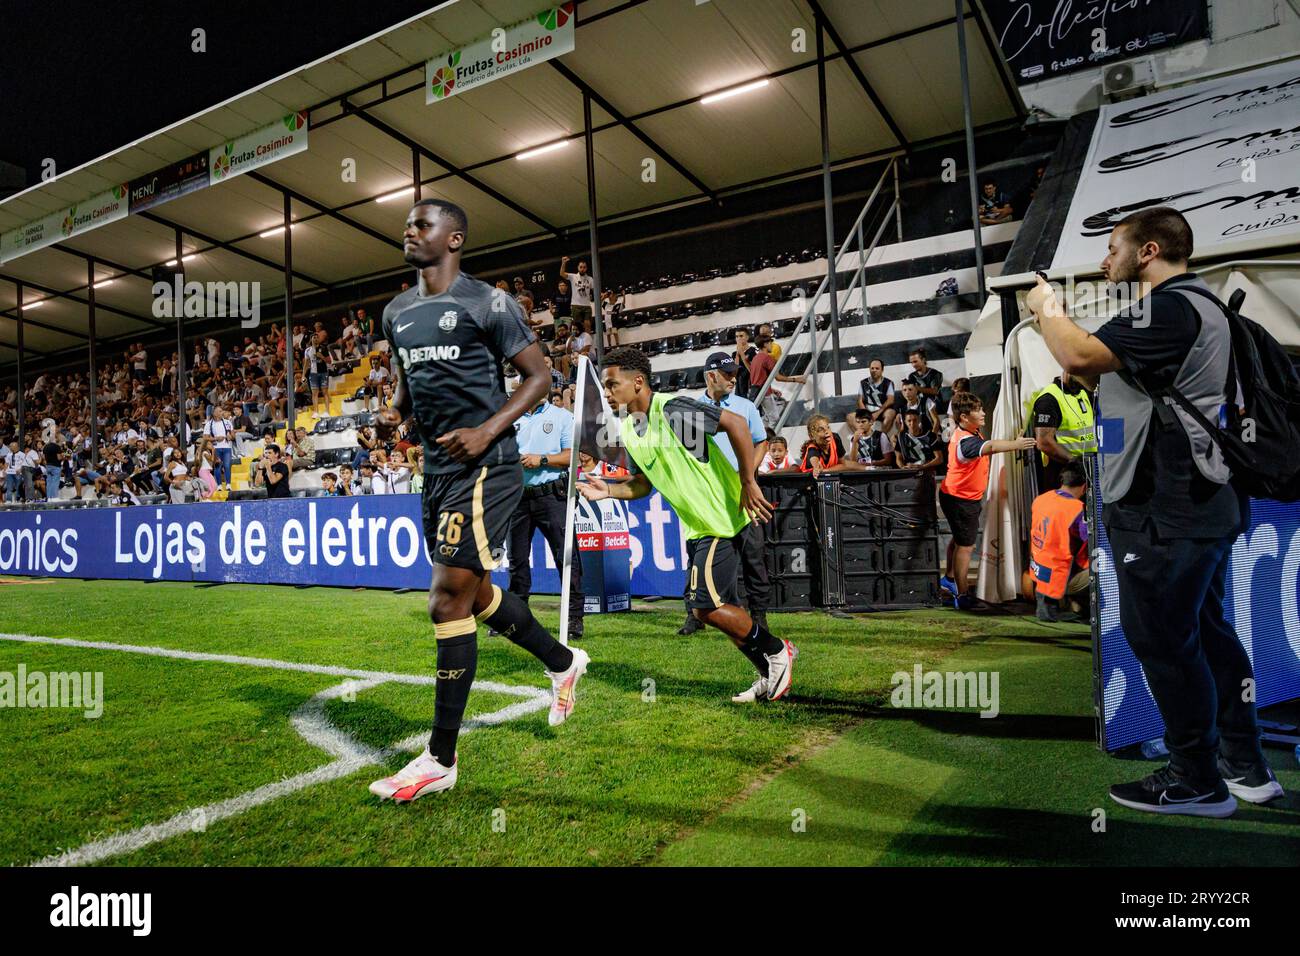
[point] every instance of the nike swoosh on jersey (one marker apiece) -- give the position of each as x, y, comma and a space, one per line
401, 328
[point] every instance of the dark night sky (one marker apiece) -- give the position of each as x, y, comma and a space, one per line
80, 78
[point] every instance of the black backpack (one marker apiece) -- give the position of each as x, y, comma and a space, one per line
1261, 442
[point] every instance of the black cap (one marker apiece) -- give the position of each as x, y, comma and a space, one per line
720, 362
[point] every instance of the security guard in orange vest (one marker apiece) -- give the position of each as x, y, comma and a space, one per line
1058, 543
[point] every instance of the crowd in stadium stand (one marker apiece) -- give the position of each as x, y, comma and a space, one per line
234, 395
237, 398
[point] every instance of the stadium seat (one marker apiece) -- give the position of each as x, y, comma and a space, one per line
676, 380
687, 309
656, 382
342, 423
654, 346
740, 300
716, 304
835, 407
694, 378
688, 342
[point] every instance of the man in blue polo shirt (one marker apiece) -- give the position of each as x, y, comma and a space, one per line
545, 439
720, 372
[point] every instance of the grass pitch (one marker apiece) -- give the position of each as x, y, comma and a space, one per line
657, 766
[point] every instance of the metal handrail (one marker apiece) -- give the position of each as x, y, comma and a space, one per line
858, 281
832, 264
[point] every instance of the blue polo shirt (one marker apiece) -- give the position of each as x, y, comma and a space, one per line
746, 410
546, 430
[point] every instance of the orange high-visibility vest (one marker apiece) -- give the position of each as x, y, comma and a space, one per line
833, 460
965, 479
1049, 542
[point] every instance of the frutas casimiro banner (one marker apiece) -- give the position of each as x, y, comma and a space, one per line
258, 148
286, 136
508, 50
1225, 153
108, 206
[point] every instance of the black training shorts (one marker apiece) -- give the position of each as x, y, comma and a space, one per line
712, 569
467, 514
963, 516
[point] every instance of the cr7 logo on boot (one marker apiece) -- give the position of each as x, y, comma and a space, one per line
451, 674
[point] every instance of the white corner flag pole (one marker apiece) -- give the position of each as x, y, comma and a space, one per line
571, 500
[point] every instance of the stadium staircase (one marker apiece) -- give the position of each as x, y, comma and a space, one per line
342, 389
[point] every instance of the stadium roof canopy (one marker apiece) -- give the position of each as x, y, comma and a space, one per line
893, 80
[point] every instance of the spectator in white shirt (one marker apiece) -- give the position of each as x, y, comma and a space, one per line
371, 483
375, 380
580, 343
777, 457
177, 477
581, 283
317, 378
220, 431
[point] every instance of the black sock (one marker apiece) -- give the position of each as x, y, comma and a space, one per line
757, 645
457, 662
510, 616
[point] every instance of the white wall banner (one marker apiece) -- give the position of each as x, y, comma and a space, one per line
89, 214
258, 148
1225, 153
504, 51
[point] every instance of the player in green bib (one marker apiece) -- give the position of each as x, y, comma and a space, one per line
670, 447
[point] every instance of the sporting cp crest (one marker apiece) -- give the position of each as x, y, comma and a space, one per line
448, 321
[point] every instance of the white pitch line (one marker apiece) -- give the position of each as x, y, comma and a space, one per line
309, 721
237, 659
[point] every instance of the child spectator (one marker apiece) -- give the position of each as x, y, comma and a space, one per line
962, 492
777, 457
823, 449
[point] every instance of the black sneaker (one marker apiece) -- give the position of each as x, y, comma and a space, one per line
690, 627
1166, 792
1254, 783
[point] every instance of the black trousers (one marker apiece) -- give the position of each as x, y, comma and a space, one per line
755, 588
544, 513
1171, 606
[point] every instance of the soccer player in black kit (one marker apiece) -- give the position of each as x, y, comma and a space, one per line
449, 335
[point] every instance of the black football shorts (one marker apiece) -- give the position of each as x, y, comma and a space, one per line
467, 514
713, 567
